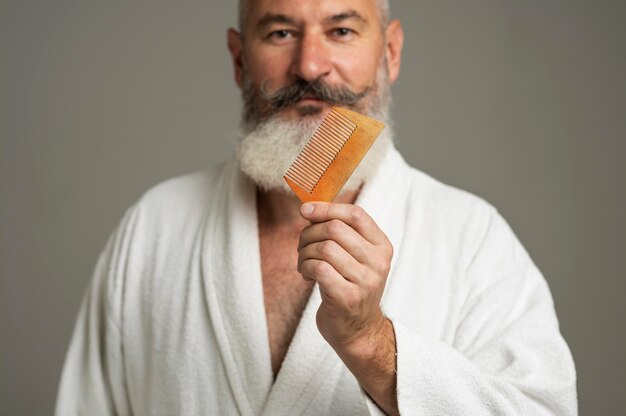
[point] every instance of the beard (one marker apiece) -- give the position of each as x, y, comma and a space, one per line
268, 143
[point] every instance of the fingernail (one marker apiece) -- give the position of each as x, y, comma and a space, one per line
307, 208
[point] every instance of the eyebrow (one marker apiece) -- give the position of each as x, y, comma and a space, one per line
350, 14
271, 18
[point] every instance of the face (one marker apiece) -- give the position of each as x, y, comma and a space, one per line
296, 58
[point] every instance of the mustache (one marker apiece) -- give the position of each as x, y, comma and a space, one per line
292, 93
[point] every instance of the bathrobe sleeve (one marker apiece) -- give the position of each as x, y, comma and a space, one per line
507, 355
92, 381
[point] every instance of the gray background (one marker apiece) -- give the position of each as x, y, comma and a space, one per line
521, 102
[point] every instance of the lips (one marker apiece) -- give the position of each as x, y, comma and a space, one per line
309, 97
310, 100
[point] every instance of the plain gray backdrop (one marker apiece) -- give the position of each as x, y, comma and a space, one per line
521, 102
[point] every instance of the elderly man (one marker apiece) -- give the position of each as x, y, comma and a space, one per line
220, 294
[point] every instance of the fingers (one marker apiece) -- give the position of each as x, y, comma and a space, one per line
338, 258
331, 283
354, 231
338, 231
350, 214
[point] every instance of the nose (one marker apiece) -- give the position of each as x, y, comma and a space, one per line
312, 60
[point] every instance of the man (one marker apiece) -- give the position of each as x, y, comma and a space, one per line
220, 294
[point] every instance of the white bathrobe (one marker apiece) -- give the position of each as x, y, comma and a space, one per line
174, 324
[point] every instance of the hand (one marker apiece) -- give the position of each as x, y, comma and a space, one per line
349, 257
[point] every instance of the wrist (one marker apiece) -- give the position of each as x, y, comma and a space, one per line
371, 357
367, 342
373, 344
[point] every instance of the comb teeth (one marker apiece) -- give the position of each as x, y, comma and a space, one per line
320, 151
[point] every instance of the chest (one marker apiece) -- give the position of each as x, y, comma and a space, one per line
285, 293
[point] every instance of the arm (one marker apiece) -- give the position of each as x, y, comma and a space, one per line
349, 257
92, 381
507, 357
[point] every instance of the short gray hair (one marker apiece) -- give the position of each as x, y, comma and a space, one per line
382, 5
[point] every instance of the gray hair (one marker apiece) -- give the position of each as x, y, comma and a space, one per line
381, 5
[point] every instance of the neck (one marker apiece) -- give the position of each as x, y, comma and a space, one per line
277, 208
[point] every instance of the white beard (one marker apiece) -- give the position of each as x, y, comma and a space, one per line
266, 153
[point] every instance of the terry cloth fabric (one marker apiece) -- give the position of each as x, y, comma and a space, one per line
174, 323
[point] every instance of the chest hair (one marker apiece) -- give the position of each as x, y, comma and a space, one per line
285, 292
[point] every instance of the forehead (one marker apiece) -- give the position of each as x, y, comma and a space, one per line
310, 10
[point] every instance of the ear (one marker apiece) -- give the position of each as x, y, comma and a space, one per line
394, 35
235, 47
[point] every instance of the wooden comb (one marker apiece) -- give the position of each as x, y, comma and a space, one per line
331, 155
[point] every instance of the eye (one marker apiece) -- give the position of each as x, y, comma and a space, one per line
280, 34
343, 32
